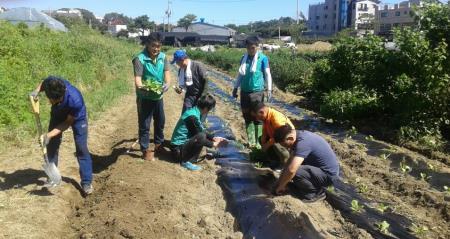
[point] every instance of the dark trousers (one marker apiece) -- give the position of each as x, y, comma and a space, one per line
189, 102
80, 135
148, 109
190, 151
247, 101
311, 181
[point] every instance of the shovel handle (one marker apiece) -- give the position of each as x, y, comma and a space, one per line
34, 105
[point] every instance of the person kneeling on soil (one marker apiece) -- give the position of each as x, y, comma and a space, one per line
313, 165
276, 155
189, 136
68, 110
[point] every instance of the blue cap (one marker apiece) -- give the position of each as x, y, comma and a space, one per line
179, 55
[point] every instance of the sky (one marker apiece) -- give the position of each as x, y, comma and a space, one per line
214, 11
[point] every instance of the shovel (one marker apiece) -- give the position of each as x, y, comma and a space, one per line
54, 177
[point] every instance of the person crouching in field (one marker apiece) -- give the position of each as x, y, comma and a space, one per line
276, 155
189, 136
191, 79
313, 165
68, 110
152, 79
254, 72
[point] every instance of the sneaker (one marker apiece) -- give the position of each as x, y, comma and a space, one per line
191, 166
148, 155
319, 197
87, 189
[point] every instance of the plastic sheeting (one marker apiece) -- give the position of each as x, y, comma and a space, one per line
248, 197
31, 17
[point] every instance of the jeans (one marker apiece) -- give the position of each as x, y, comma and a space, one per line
148, 109
311, 181
80, 135
189, 102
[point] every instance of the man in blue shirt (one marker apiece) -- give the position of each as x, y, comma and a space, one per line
68, 110
313, 164
254, 75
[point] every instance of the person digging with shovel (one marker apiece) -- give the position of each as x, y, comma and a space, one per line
254, 73
67, 110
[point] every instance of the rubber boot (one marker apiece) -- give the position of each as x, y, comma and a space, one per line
250, 128
258, 135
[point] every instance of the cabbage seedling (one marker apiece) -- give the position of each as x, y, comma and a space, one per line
404, 167
383, 227
424, 177
356, 207
381, 207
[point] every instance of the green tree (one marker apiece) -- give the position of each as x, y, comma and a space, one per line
186, 21
118, 17
142, 23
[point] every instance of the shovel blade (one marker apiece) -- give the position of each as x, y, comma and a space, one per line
52, 172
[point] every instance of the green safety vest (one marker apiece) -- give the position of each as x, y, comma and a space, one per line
153, 71
180, 133
253, 81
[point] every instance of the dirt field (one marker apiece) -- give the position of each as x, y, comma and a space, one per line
137, 199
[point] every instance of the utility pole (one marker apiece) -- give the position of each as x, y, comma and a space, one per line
164, 24
168, 14
297, 13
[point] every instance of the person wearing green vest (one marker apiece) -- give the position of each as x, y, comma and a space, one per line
189, 136
152, 79
254, 73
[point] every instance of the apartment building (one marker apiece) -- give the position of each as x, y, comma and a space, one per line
361, 15
397, 15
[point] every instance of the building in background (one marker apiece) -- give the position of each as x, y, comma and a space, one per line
203, 28
328, 18
116, 26
398, 15
64, 12
361, 16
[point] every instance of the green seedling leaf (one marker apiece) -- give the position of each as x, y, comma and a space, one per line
424, 177
382, 208
404, 167
385, 156
258, 165
369, 138
356, 207
383, 227
330, 189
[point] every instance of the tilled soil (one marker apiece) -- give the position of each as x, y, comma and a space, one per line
378, 178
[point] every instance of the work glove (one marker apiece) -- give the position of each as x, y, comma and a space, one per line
44, 140
35, 95
178, 89
235, 94
166, 87
269, 95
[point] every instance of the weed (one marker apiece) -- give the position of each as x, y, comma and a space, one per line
419, 230
431, 167
363, 188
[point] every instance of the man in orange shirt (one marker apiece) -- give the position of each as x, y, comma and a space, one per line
272, 120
